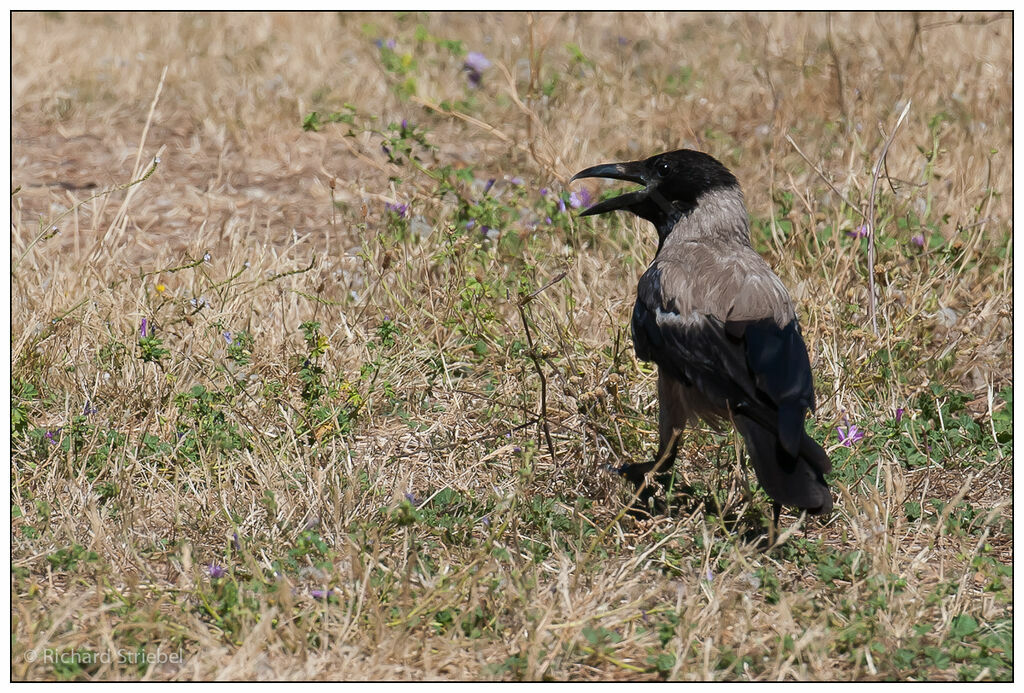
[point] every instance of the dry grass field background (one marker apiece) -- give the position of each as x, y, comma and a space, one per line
316, 373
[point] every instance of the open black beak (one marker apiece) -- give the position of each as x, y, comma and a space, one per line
633, 171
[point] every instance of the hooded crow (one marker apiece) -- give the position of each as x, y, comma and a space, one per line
720, 325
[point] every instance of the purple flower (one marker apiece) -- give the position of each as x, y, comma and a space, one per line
580, 199
215, 571
412, 499
477, 61
142, 328
543, 192
321, 594
49, 437
89, 409
899, 414
399, 210
227, 337
470, 224
474, 66
860, 232
235, 542
561, 205
918, 240
516, 449
490, 184
849, 436
389, 43
547, 220
405, 124
515, 180
485, 521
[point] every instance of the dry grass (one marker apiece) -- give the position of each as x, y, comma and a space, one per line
290, 468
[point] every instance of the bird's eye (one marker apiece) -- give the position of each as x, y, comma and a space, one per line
663, 168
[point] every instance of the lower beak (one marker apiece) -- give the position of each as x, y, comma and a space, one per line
630, 171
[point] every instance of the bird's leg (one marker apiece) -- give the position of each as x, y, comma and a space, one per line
672, 417
773, 531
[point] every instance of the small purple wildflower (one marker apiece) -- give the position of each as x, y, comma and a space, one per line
859, 232
388, 43
516, 449
215, 571
321, 594
477, 61
899, 414
470, 224
547, 220
918, 240
708, 575
88, 409
850, 435
488, 186
561, 205
474, 66
543, 192
485, 521
412, 499
515, 180
227, 337
399, 210
235, 542
142, 328
643, 615
405, 124
50, 437
580, 199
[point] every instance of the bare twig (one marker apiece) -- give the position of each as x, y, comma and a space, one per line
822, 175
871, 220
468, 118
558, 278
536, 358
543, 381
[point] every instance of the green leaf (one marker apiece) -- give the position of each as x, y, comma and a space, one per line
964, 625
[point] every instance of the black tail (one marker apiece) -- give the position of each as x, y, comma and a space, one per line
793, 480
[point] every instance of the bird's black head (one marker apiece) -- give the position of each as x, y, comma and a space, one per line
672, 182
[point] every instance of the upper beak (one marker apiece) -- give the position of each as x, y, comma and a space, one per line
633, 171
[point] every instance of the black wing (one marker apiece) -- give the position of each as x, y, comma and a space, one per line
753, 367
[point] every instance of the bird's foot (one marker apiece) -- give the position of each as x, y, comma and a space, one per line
657, 490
